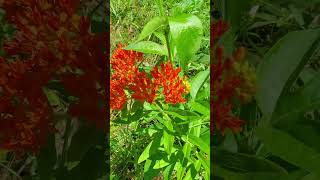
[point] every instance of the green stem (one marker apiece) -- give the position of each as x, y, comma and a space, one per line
167, 42
199, 124
65, 143
10, 170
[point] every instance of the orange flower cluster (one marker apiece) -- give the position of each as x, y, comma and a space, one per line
51, 43
126, 75
228, 80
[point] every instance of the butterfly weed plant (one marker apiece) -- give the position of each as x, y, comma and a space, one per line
162, 101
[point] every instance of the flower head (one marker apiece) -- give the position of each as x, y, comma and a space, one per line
173, 85
230, 78
126, 75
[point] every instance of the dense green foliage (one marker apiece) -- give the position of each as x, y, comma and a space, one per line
280, 138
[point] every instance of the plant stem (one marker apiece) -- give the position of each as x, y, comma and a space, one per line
10, 170
167, 42
65, 143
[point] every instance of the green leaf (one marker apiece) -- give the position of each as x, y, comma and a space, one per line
153, 25
187, 32
197, 142
281, 65
180, 170
150, 149
294, 104
168, 139
244, 163
161, 37
200, 108
167, 173
146, 153
186, 149
197, 82
148, 47
149, 172
160, 164
182, 114
191, 173
137, 114
232, 175
52, 97
290, 149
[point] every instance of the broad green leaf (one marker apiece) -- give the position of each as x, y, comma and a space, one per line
195, 128
148, 47
200, 108
168, 138
146, 153
153, 25
52, 97
167, 173
150, 149
161, 37
281, 65
160, 164
180, 170
229, 143
290, 113
182, 114
187, 33
197, 142
310, 176
244, 163
137, 115
205, 134
197, 165
297, 103
231, 175
186, 149
290, 149
149, 172
190, 175
197, 82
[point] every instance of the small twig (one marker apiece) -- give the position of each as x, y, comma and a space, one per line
168, 44
10, 170
65, 143
29, 160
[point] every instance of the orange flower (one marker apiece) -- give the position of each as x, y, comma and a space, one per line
224, 81
127, 76
49, 36
143, 88
169, 79
123, 63
117, 95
